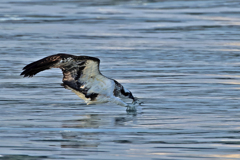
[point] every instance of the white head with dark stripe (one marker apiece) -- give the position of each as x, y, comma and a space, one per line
122, 92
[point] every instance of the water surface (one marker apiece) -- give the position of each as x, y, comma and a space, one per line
180, 57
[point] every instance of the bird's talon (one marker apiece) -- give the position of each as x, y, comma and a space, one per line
131, 108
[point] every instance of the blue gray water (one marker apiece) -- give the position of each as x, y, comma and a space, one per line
181, 57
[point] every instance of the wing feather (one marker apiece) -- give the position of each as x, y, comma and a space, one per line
77, 70
43, 64
72, 66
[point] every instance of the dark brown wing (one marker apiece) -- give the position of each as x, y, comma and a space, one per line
65, 62
43, 64
77, 70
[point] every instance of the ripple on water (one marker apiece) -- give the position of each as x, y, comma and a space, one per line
179, 57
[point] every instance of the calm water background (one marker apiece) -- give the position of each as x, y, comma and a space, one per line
180, 57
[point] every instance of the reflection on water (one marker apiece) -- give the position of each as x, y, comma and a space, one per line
179, 57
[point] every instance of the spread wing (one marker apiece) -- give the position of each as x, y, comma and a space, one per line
76, 69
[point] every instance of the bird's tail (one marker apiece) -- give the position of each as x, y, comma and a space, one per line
42, 64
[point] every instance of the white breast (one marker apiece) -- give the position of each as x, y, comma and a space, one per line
101, 85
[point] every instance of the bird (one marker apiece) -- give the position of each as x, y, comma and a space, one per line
82, 76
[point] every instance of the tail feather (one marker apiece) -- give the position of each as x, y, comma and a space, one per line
43, 64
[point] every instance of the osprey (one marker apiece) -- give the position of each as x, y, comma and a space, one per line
82, 76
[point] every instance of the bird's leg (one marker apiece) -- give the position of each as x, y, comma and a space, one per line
118, 101
130, 107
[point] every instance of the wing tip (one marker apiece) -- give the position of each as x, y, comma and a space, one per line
27, 73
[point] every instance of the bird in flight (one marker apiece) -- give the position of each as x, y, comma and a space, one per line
82, 76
